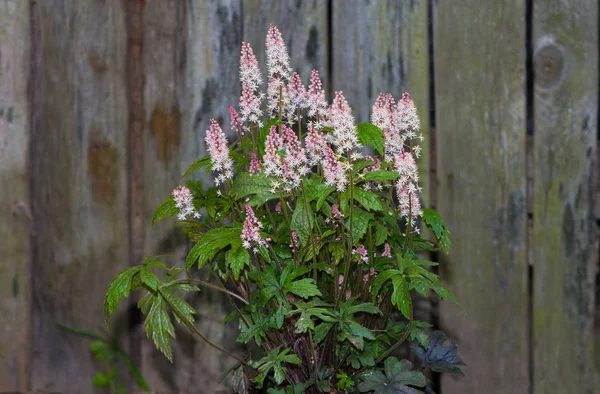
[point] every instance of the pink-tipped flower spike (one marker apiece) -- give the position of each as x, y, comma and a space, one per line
236, 123
184, 202
315, 146
277, 94
297, 97
254, 165
407, 186
251, 230
250, 107
219, 152
408, 122
333, 171
249, 68
382, 114
295, 155
316, 102
362, 252
272, 162
387, 251
278, 60
335, 211
344, 135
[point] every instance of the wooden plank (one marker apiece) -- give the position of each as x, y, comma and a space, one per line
79, 199
382, 46
303, 25
565, 39
481, 130
191, 61
15, 214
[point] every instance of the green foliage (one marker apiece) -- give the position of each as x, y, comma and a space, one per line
337, 288
204, 161
274, 361
434, 222
397, 378
369, 134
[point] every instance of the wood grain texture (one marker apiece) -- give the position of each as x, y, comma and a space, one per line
480, 118
382, 46
303, 25
565, 39
79, 199
15, 215
191, 61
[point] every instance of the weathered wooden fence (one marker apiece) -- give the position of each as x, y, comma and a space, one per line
103, 103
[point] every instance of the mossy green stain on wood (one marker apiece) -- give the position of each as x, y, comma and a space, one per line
565, 40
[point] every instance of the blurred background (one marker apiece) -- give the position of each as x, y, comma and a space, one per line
104, 104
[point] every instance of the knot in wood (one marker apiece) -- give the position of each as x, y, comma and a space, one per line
549, 65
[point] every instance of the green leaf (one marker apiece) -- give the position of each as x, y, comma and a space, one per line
273, 361
321, 332
159, 327
381, 234
211, 242
369, 134
167, 208
434, 222
360, 223
202, 162
302, 220
303, 288
337, 250
401, 295
246, 184
118, 288
237, 258
368, 199
380, 176
101, 380
398, 378
149, 278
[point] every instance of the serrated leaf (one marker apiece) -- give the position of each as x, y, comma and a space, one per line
211, 242
118, 288
198, 164
321, 332
237, 259
372, 135
159, 327
303, 288
398, 378
149, 278
381, 234
302, 220
401, 295
167, 208
380, 176
246, 184
337, 250
367, 199
434, 222
360, 223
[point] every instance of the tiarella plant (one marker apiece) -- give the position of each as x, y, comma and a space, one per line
312, 231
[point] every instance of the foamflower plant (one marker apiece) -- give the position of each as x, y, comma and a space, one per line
312, 232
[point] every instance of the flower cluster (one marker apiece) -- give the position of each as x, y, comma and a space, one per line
251, 231
219, 152
344, 136
285, 159
184, 202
